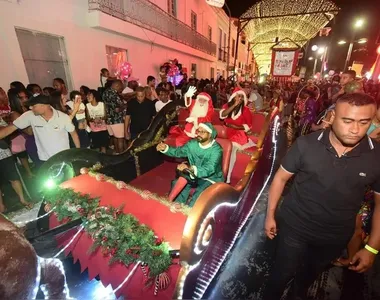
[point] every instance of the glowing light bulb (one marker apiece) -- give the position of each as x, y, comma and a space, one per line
50, 184
359, 23
314, 48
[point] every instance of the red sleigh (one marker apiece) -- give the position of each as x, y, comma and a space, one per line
139, 179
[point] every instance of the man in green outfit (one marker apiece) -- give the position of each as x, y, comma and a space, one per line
205, 161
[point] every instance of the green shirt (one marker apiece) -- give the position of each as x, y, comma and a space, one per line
205, 160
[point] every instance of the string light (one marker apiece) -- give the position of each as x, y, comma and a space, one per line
38, 278
128, 277
45, 262
263, 31
34, 219
70, 242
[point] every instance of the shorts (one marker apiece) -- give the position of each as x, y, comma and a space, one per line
116, 130
8, 170
23, 154
99, 139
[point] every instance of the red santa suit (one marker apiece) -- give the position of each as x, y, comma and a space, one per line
199, 113
239, 138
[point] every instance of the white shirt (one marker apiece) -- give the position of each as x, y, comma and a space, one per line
256, 98
95, 111
51, 136
159, 105
103, 80
78, 116
127, 90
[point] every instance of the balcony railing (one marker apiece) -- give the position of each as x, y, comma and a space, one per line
147, 15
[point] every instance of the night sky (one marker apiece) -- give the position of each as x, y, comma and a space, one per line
341, 29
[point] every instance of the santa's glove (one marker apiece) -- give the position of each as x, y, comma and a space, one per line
191, 92
190, 120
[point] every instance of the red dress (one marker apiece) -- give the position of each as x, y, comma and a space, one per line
242, 118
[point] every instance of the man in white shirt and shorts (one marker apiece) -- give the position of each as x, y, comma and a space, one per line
50, 127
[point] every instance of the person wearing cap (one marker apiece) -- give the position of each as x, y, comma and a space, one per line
205, 161
238, 120
50, 127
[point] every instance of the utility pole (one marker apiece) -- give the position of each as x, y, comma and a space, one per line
229, 38
237, 45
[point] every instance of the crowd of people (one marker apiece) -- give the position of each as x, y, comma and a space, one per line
37, 123
331, 168
331, 214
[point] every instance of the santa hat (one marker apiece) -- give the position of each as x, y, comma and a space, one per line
204, 96
236, 92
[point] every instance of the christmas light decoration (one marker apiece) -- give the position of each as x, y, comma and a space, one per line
270, 21
127, 278
34, 219
70, 242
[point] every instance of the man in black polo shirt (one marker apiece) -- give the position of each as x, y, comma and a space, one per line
140, 112
317, 218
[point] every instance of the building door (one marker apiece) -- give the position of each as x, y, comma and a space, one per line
194, 70
212, 73
44, 57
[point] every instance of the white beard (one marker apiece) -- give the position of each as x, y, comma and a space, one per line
199, 111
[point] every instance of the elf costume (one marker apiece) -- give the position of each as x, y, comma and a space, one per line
206, 162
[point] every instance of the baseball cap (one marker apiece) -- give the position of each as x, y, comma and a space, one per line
39, 99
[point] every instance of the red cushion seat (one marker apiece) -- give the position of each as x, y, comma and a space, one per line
221, 130
227, 149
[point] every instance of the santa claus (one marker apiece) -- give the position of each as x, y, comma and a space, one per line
238, 120
201, 111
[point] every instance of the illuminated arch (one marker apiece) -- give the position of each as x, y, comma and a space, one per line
269, 21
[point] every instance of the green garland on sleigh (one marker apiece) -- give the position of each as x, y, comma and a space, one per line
119, 235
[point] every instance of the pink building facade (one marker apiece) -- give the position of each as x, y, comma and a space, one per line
74, 39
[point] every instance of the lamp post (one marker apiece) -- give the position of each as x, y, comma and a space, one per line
358, 24
229, 38
321, 51
350, 48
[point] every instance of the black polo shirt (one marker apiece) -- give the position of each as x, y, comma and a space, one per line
328, 190
141, 114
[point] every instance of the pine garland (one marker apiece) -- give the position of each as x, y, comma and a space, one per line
119, 235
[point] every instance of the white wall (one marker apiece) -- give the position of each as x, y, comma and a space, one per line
85, 45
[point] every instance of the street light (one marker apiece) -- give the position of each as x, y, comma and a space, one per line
321, 50
359, 23
362, 41
342, 42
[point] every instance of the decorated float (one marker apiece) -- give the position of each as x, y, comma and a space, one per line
115, 216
